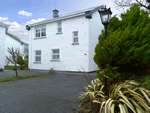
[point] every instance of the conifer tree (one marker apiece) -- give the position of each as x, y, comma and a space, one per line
126, 48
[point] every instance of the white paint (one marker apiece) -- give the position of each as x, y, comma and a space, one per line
72, 57
11, 42
2, 46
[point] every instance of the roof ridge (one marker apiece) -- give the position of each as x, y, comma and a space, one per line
78, 11
14, 36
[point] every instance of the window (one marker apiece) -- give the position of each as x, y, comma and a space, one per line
40, 31
59, 27
55, 54
25, 48
75, 36
38, 55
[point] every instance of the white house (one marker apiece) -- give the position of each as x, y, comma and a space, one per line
15, 42
65, 42
3, 28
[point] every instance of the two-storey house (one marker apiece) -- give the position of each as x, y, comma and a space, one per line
65, 42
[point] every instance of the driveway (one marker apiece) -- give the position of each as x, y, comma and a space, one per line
47, 93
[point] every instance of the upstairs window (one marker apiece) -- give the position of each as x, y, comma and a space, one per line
38, 55
75, 36
55, 54
40, 31
59, 27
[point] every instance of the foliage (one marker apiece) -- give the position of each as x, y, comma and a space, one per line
124, 97
13, 57
1, 69
20, 61
25, 62
51, 71
126, 48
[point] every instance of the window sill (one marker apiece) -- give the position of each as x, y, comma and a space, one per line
39, 38
37, 62
58, 33
75, 44
55, 60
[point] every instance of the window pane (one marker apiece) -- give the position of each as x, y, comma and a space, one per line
43, 29
43, 34
75, 39
38, 52
37, 30
56, 51
55, 56
59, 24
38, 58
59, 29
37, 34
75, 33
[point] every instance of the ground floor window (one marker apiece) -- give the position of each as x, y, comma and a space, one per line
37, 55
55, 54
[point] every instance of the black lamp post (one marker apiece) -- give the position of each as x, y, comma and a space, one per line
105, 16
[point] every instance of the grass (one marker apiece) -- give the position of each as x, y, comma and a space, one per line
11, 67
21, 77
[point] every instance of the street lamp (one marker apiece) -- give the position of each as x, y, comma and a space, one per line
105, 16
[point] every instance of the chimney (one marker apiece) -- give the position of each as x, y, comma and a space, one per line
55, 13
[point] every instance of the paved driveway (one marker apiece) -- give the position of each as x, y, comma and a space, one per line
45, 94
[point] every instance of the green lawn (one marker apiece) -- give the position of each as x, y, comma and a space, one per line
11, 67
21, 77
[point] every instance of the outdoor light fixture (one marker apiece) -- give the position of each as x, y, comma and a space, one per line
105, 16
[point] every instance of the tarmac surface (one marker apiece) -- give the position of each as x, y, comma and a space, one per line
44, 94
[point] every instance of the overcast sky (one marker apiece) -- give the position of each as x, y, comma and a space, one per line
18, 13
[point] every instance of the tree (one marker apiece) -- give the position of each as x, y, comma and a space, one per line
126, 48
13, 57
127, 3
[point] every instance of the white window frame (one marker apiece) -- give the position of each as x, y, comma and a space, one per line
37, 55
59, 26
40, 31
75, 37
56, 54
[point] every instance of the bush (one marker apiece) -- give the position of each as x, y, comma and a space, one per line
14, 68
25, 62
1, 69
21, 68
51, 71
127, 97
20, 61
126, 48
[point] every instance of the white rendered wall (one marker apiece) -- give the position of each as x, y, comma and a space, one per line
72, 57
10, 42
95, 30
2, 46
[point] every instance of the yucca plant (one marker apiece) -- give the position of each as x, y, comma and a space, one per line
128, 97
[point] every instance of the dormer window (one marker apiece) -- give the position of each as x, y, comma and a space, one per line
40, 31
59, 27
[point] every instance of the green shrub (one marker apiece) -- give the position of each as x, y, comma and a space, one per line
21, 68
126, 48
14, 68
20, 61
